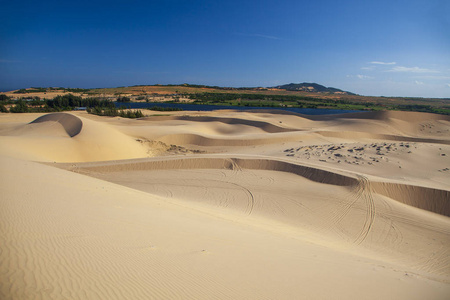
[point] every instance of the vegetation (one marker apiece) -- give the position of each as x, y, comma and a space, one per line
70, 102
59, 103
3, 97
76, 90
49, 89
3, 101
291, 95
114, 112
422, 108
20, 107
313, 87
3, 109
267, 100
32, 90
123, 99
159, 108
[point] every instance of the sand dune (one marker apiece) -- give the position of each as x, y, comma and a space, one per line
71, 124
384, 116
347, 210
314, 174
265, 126
200, 140
55, 124
225, 205
360, 135
62, 137
433, 200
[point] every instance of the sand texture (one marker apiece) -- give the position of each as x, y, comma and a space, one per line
225, 205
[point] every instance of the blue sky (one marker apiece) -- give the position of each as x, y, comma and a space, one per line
373, 47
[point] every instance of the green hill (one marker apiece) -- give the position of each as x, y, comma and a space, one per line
311, 87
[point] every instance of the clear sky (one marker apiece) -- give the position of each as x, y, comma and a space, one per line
369, 47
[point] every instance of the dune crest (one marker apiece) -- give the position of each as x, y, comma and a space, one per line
434, 200
63, 137
71, 124
265, 126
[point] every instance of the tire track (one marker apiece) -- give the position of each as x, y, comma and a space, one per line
393, 234
251, 198
236, 168
343, 208
365, 192
362, 192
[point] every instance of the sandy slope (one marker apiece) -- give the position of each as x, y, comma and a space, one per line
225, 205
57, 138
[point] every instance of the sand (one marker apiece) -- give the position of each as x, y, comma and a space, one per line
225, 205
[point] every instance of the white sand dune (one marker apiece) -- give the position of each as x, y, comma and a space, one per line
237, 205
55, 124
71, 124
62, 137
265, 126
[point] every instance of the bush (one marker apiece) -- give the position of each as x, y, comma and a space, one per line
123, 99
20, 107
159, 108
113, 112
3, 109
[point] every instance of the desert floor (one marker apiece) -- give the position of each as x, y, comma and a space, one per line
225, 205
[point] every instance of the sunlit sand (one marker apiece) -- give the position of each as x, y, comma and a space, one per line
225, 205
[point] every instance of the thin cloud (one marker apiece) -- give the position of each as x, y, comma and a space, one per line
412, 70
360, 76
418, 82
382, 63
364, 76
437, 77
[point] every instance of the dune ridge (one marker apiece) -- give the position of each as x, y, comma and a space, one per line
389, 137
63, 137
408, 116
200, 140
71, 124
434, 200
430, 199
231, 163
265, 126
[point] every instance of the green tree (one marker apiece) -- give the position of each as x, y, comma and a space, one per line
123, 99
3, 109
20, 107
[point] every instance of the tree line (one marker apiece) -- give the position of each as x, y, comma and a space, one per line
59, 103
114, 112
43, 90
259, 100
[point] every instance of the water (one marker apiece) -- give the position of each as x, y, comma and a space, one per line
202, 107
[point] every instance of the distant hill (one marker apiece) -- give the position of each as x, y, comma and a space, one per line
310, 87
